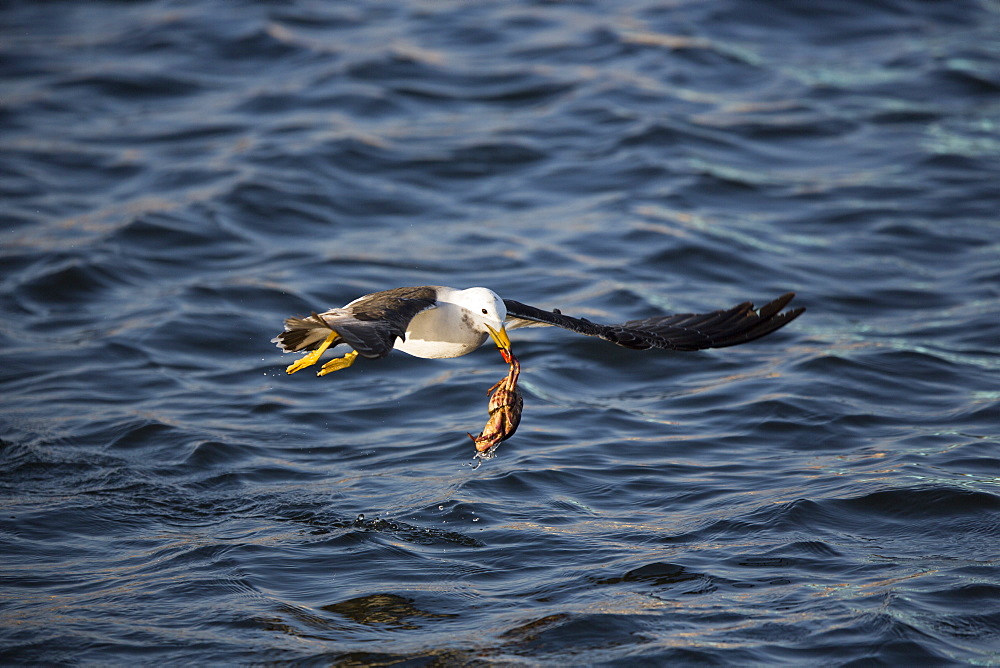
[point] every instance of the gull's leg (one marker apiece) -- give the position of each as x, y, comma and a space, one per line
338, 363
312, 357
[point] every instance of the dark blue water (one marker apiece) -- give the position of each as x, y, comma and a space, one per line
178, 177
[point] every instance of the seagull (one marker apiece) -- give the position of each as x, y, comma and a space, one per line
434, 322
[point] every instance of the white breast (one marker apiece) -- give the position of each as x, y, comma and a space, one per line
445, 331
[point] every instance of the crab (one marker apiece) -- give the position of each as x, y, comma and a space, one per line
505, 407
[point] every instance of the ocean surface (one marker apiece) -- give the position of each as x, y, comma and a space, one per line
177, 177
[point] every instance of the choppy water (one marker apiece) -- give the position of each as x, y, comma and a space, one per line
178, 177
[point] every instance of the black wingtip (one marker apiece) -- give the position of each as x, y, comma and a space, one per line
718, 329
770, 319
770, 309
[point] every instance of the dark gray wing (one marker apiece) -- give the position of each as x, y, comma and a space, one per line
370, 324
681, 331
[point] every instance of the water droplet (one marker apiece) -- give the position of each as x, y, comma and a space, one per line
361, 518
440, 507
475, 519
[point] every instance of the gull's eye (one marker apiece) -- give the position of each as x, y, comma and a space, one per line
485, 312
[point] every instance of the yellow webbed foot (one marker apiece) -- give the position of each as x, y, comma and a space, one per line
339, 363
312, 357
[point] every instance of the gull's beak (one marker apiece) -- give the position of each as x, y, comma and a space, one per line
500, 337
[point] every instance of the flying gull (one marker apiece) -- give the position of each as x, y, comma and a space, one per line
432, 322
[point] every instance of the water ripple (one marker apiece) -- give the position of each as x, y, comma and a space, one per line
177, 179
